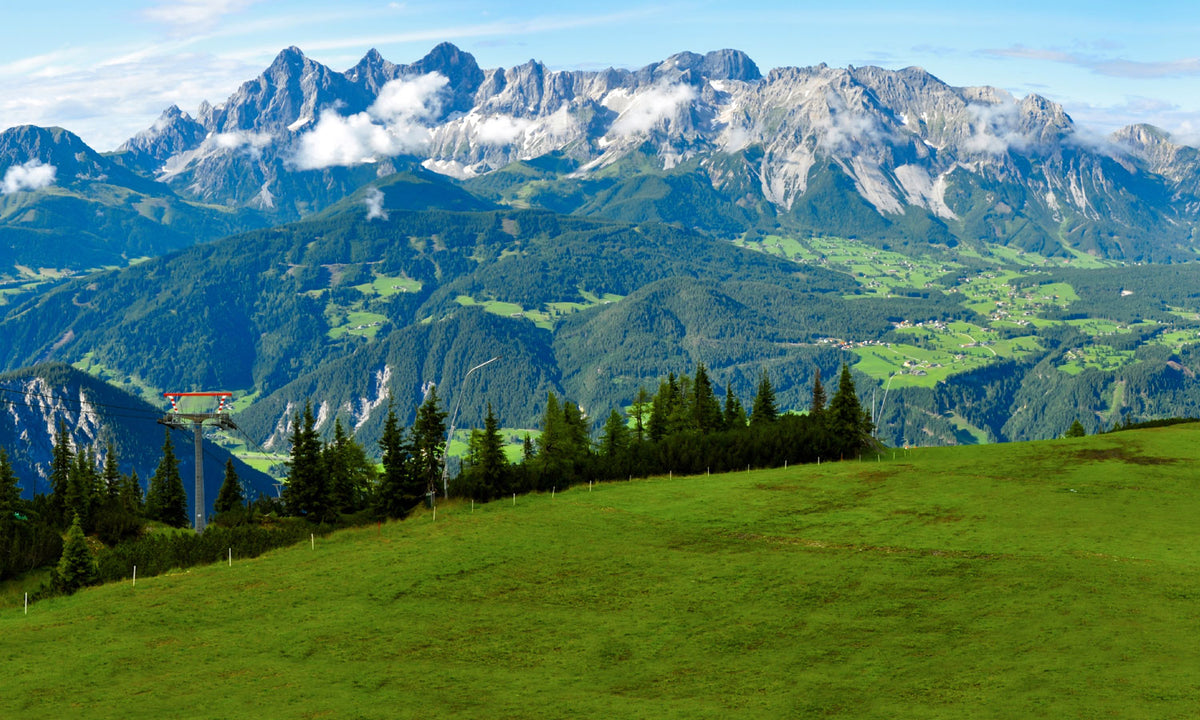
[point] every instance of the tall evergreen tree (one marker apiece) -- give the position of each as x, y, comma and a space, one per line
76, 568
10, 492
336, 461
733, 414
131, 494
230, 497
578, 442
487, 474
640, 412
764, 410
81, 498
306, 494
706, 411
614, 445
111, 475
429, 441
399, 490
61, 462
552, 444
166, 500
817, 407
847, 423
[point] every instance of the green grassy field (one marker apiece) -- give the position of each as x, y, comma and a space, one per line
1055, 579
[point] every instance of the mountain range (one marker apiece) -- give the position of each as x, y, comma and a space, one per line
393, 225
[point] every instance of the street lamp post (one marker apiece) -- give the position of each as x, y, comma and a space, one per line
453, 417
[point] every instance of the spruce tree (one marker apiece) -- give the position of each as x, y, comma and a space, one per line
488, 474
640, 412
429, 441
111, 475
764, 410
614, 444
1076, 430
847, 423
817, 407
660, 408
166, 500
230, 497
552, 443
706, 411
10, 492
132, 501
61, 462
80, 499
336, 461
733, 415
76, 568
399, 491
306, 494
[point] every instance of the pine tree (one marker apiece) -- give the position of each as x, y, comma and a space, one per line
306, 494
61, 462
131, 494
230, 497
817, 407
399, 491
76, 568
846, 421
640, 412
487, 476
733, 415
429, 442
336, 460
1076, 430
706, 411
660, 408
552, 443
764, 410
80, 499
166, 500
10, 492
614, 444
111, 475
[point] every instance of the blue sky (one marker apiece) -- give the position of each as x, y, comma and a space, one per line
106, 70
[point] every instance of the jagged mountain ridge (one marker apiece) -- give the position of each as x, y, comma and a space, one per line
903, 140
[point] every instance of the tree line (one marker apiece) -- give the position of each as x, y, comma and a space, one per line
681, 428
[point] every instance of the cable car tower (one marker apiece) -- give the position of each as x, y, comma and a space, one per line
184, 420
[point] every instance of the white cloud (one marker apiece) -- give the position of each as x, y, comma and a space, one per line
501, 129
647, 109
1105, 65
391, 126
31, 176
409, 98
846, 130
255, 142
994, 129
374, 203
193, 14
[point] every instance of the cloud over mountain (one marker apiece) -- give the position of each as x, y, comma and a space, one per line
395, 123
32, 175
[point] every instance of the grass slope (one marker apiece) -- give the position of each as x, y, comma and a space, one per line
1051, 579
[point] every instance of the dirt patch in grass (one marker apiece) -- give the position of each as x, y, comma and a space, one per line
1120, 454
932, 516
776, 486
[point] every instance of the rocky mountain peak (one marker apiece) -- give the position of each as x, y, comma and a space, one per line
173, 132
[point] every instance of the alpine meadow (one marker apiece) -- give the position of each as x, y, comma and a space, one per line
695, 389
